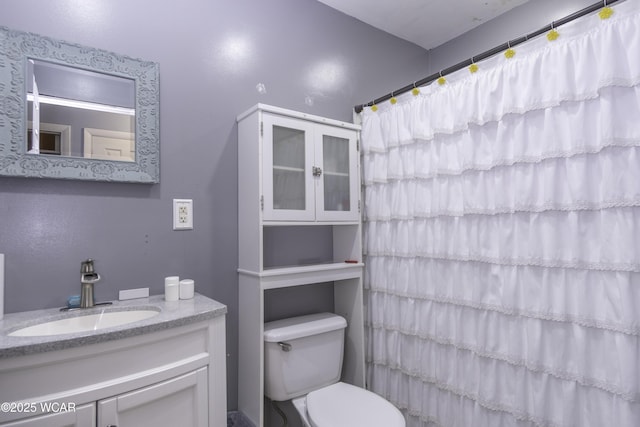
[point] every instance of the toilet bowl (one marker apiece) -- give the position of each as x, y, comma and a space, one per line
345, 405
303, 363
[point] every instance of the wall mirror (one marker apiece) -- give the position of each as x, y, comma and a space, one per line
76, 112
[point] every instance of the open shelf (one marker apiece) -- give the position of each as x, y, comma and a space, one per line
308, 247
288, 168
303, 275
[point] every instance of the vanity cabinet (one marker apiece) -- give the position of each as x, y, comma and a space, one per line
170, 377
298, 178
180, 401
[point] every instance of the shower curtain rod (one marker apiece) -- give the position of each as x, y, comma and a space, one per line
486, 54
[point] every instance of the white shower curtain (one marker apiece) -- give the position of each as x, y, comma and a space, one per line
502, 237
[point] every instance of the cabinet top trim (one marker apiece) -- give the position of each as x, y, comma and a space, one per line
296, 114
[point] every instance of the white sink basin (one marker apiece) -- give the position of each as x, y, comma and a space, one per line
84, 323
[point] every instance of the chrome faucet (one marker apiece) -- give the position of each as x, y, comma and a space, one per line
88, 277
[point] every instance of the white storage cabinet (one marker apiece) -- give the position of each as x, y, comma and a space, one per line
296, 170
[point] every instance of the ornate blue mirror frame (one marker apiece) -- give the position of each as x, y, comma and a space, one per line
16, 49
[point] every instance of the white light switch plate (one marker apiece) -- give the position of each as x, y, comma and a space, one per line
182, 214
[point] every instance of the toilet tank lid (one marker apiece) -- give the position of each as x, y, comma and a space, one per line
302, 326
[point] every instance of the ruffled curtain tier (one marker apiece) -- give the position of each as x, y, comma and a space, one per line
502, 237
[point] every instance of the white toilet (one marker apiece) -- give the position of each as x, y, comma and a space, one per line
303, 361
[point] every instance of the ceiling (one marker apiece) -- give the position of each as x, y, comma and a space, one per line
427, 23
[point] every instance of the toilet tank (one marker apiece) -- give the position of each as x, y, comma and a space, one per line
302, 354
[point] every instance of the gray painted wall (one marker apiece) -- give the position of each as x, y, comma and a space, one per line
212, 54
516, 23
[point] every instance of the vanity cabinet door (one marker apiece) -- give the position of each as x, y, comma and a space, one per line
83, 416
180, 401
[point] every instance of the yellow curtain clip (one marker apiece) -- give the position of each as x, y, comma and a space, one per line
441, 80
553, 34
605, 12
473, 67
415, 91
393, 99
509, 53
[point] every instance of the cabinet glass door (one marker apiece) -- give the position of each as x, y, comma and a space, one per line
338, 198
335, 154
288, 168
288, 153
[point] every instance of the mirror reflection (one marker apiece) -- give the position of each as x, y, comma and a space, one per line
75, 112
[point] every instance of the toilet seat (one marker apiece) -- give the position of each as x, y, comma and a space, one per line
345, 405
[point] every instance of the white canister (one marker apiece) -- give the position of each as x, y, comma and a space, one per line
172, 288
187, 287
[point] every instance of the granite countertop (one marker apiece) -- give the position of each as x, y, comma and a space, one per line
171, 314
